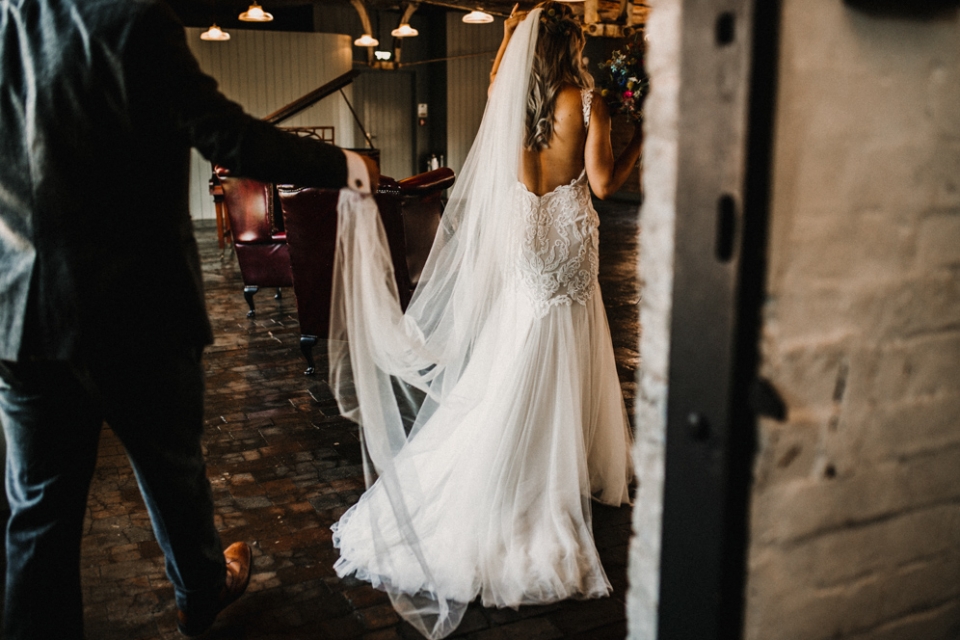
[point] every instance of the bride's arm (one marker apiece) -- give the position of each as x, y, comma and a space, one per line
605, 174
509, 26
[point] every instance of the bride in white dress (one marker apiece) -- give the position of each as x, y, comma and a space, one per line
491, 410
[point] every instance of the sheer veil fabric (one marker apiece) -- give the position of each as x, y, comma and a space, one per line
471, 491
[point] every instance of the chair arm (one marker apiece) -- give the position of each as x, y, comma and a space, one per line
424, 184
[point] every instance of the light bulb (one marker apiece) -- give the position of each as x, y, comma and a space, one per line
404, 31
477, 17
366, 40
255, 13
215, 34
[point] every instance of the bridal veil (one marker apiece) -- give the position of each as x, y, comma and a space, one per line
391, 371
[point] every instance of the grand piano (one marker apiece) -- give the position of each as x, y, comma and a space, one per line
285, 234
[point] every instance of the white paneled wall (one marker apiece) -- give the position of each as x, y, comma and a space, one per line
265, 70
467, 82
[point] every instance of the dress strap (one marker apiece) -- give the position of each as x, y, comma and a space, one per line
586, 96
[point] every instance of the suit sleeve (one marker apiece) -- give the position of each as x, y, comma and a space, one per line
217, 126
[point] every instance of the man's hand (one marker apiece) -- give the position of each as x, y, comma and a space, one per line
373, 171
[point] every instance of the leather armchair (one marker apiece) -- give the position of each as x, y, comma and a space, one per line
410, 210
258, 237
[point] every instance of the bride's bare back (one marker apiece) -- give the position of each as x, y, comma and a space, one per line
574, 147
562, 162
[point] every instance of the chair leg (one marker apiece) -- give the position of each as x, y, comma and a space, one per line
278, 295
248, 292
307, 343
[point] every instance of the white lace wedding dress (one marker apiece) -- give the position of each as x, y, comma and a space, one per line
491, 493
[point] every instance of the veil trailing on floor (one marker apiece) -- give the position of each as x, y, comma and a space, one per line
390, 371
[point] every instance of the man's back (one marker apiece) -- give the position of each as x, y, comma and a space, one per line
97, 231
100, 101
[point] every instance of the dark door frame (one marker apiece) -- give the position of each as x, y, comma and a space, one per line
728, 87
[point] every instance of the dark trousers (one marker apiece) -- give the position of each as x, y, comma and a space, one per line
52, 414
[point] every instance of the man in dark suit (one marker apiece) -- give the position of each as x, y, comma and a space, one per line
102, 313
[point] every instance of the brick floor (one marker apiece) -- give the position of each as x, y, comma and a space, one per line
284, 466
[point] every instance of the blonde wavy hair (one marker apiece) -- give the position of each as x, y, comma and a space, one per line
557, 62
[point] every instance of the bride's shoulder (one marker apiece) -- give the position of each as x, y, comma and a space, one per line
569, 93
569, 98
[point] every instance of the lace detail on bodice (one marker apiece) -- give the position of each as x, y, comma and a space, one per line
558, 259
586, 98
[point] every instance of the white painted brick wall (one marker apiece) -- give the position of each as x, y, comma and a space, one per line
855, 514
656, 273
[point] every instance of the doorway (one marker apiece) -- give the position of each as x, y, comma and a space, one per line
384, 103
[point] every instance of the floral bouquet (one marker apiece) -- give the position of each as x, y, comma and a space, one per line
623, 81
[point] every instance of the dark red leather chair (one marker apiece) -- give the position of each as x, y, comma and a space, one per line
257, 232
410, 210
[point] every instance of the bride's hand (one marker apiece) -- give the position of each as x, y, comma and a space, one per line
516, 17
509, 26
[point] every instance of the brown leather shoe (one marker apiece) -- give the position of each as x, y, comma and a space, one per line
238, 558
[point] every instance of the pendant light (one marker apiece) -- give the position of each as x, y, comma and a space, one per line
255, 13
215, 34
477, 17
366, 40
404, 31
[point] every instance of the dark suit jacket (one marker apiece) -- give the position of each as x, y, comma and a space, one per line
100, 102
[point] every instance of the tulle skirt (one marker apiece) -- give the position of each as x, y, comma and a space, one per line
503, 473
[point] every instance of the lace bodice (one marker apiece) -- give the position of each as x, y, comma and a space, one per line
558, 259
